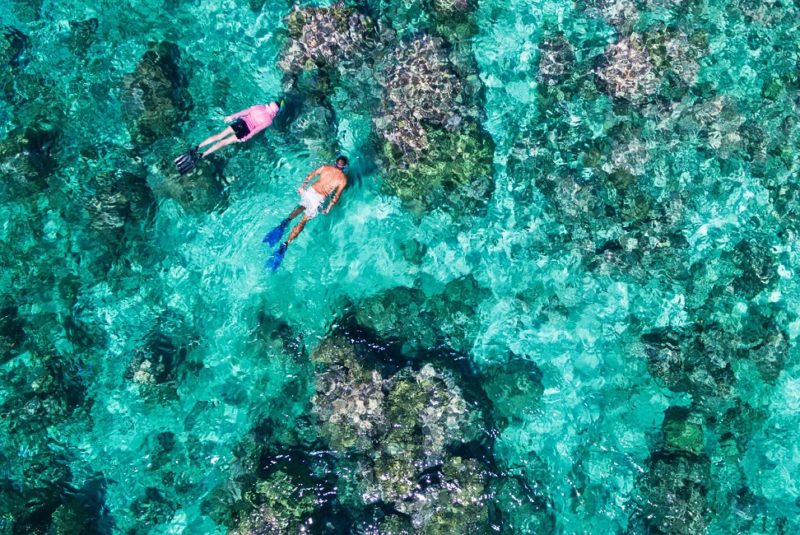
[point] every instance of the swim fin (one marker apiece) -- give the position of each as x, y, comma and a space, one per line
188, 160
274, 236
275, 260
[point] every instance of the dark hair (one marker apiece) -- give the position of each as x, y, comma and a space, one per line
341, 158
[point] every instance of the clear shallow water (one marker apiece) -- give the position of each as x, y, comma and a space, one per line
614, 332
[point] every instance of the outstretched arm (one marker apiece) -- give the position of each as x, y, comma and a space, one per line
336, 196
231, 118
311, 175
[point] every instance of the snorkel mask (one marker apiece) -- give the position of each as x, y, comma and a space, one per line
343, 168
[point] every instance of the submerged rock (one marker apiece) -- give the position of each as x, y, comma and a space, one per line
421, 321
155, 98
514, 387
82, 35
696, 365
675, 486
116, 200
13, 45
518, 508
161, 361
12, 333
28, 157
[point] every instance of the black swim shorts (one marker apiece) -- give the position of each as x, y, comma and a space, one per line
240, 128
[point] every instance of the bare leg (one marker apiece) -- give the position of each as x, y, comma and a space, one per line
296, 212
297, 229
223, 134
225, 142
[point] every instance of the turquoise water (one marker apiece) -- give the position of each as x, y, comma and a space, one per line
559, 295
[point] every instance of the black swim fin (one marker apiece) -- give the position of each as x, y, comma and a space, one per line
188, 160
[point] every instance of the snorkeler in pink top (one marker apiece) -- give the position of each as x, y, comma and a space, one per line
243, 126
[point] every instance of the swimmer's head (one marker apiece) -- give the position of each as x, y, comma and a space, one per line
341, 162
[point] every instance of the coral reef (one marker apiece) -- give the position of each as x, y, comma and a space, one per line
202, 190
13, 59
693, 364
432, 151
349, 398
152, 508
454, 172
556, 56
661, 60
314, 128
12, 334
676, 53
418, 88
325, 38
401, 427
628, 72
677, 493
453, 19
458, 503
274, 488
282, 507
49, 393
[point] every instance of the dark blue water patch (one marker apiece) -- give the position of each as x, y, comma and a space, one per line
12, 330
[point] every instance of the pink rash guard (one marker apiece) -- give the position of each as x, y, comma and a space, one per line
257, 118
